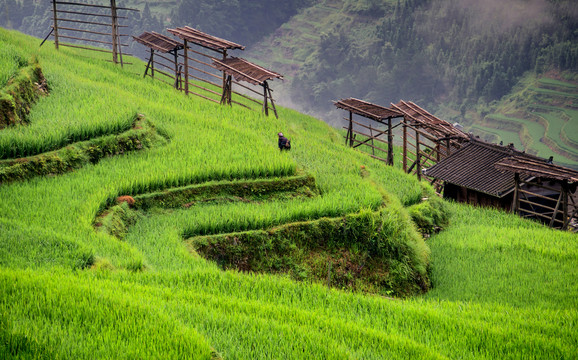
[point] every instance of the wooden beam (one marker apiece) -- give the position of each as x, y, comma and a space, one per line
55, 24
186, 68
404, 154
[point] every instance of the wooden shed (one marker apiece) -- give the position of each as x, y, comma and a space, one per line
469, 174
543, 191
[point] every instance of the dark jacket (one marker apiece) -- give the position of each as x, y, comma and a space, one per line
283, 143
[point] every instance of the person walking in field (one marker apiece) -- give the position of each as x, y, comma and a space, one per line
284, 143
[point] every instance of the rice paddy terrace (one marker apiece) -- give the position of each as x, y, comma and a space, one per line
136, 222
540, 116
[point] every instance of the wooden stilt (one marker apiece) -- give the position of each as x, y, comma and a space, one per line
350, 129
265, 102
272, 102
372, 144
516, 200
389, 143
186, 67
152, 64
176, 56
114, 32
565, 192
418, 156
55, 20
404, 146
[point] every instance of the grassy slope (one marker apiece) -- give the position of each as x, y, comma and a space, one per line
505, 296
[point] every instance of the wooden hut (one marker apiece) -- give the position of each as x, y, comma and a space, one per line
542, 190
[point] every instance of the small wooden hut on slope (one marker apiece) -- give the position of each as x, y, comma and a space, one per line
498, 176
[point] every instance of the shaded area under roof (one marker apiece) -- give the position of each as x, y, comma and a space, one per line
205, 40
158, 42
244, 70
531, 167
433, 125
366, 109
472, 166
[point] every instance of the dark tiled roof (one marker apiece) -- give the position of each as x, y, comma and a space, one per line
158, 42
535, 168
367, 109
244, 70
472, 167
205, 40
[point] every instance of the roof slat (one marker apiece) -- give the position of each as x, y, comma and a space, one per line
366, 109
535, 168
158, 42
200, 38
244, 70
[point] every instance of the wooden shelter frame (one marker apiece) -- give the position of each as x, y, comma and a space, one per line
550, 210
60, 14
203, 71
376, 113
426, 138
163, 45
243, 70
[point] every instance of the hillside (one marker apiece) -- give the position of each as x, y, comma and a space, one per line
464, 61
86, 274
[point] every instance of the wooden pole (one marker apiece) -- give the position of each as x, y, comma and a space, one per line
224, 75
418, 155
371, 136
186, 68
389, 143
152, 64
272, 102
516, 200
350, 129
404, 146
114, 32
55, 19
448, 147
176, 68
565, 192
557, 208
265, 102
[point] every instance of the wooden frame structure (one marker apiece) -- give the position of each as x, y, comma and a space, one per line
431, 138
205, 71
163, 45
548, 193
243, 70
377, 113
71, 12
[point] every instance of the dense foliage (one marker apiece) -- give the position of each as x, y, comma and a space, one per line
434, 51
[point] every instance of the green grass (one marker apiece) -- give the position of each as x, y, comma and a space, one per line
503, 287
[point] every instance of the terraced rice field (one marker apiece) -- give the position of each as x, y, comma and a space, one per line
503, 287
